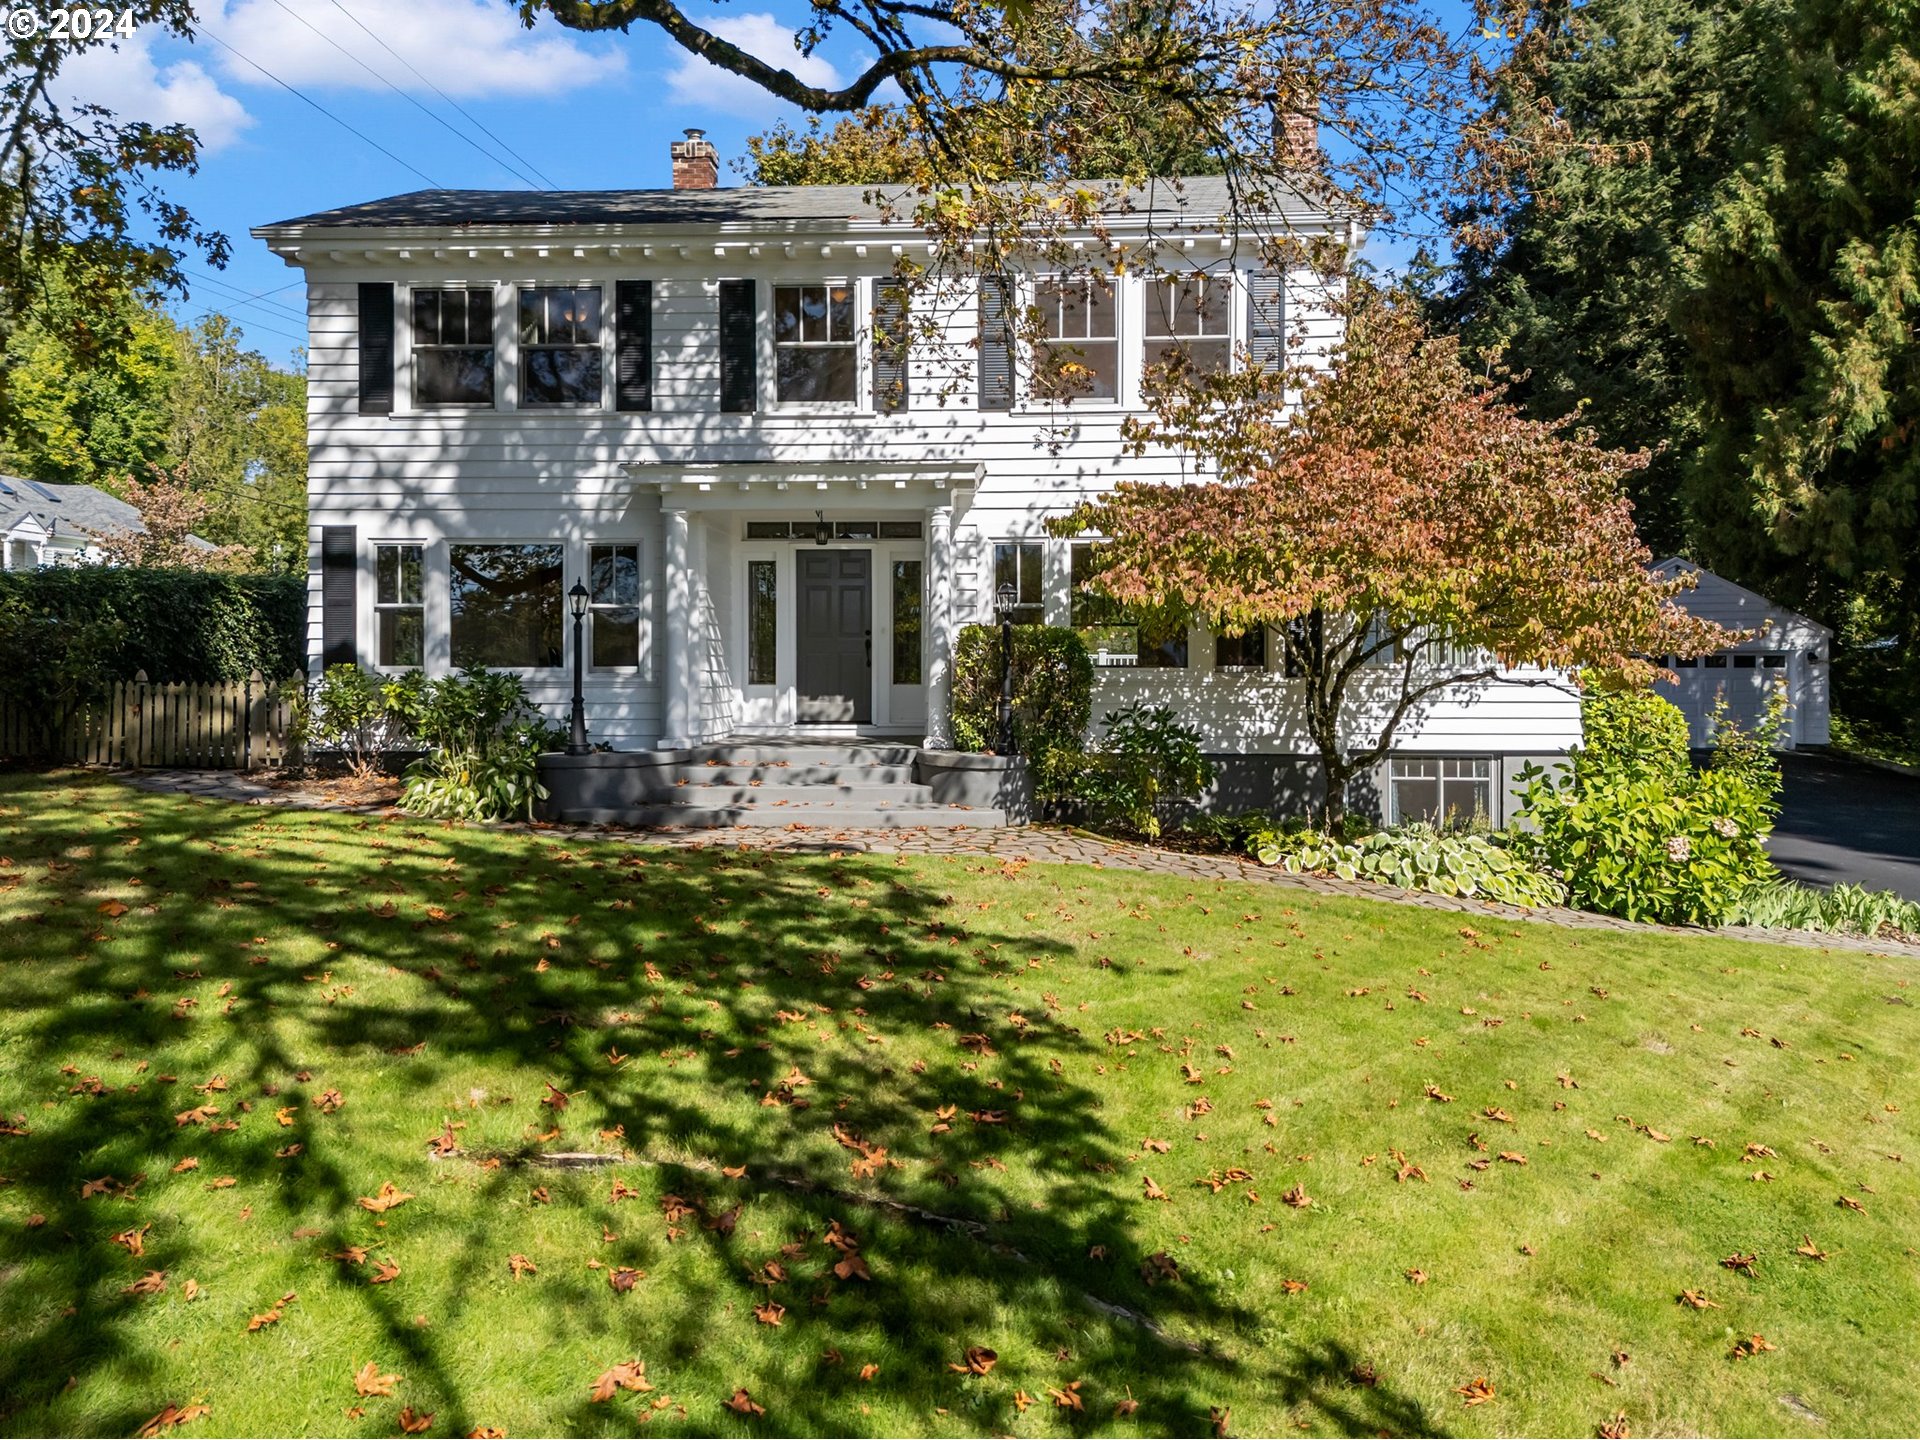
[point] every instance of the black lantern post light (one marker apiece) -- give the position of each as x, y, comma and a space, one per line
1003, 602
577, 599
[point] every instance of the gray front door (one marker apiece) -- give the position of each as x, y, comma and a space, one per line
836, 637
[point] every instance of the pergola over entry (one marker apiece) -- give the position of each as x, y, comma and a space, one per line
927, 491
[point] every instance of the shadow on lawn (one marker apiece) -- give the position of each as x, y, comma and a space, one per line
730, 939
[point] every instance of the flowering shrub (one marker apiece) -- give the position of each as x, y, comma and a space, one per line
1634, 830
1415, 857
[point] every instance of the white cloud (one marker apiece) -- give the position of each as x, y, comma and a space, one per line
127, 81
469, 48
697, 82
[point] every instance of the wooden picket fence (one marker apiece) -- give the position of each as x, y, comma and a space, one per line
220, 725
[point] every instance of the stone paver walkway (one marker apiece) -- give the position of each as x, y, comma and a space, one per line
1033, 843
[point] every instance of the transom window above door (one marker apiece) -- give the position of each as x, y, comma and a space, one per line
453, 347
815, 343
560, 359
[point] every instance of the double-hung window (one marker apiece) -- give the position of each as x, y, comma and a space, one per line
613, 607
399, 618
1114, 633
453, 347
560, 360
1018, 572
815, 343
1077, 355
506, 605
1189, 315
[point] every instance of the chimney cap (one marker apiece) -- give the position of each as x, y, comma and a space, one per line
695, 134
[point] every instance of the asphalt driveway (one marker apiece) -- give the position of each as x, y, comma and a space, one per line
1841, 821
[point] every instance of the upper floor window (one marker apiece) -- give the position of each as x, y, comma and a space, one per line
560, 358
1079, 353
453, 347
1189, 314
814, 343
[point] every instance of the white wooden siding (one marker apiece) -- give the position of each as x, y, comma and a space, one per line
440, 475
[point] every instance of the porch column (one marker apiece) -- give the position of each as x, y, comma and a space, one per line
940, 628
676, 673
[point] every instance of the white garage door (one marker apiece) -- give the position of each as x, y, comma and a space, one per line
1746, 679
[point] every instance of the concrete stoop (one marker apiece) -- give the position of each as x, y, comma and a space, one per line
852, 785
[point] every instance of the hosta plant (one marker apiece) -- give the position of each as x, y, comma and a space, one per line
1416, 857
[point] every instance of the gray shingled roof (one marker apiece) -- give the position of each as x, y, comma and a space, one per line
1202, 198
64, 509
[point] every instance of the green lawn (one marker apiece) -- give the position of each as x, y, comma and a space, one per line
1028, 1044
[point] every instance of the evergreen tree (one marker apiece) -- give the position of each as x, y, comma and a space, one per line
1634, 103
1797, 298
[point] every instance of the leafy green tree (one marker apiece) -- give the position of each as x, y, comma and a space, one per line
80, 186
77, 411
237, 427
1567, 276
1797, 296
167, 399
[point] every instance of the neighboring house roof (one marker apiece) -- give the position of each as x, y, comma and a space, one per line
1201, 199
58, 510
1719, 599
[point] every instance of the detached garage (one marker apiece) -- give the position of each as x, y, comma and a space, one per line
1786, 647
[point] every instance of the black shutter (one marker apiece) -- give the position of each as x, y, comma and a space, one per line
739, 347
633, 345
1266, 321
890, 344
376, 349
339, 595
996, 342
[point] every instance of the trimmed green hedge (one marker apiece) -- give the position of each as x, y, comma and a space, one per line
1052, 699
177, 625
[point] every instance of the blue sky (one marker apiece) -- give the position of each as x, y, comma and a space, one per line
546, 106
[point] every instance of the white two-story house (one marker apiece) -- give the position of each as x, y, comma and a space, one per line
673, 399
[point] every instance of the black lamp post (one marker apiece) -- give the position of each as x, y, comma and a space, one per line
577, 599
1003, 602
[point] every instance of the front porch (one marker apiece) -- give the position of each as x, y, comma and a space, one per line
806, 604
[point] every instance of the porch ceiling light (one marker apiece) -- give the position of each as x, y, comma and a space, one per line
822, 532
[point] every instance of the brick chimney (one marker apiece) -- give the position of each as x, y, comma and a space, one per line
1296, 140
696, 164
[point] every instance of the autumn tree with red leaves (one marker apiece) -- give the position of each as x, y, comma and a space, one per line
1401, 524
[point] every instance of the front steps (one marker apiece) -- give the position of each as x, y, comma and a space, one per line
823, 785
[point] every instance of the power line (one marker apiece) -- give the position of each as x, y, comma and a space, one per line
236, 296
301, 94
438, 119
544, 177
254, 324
